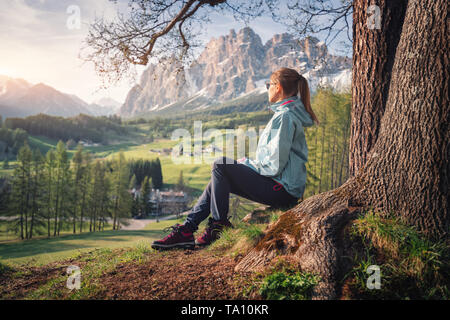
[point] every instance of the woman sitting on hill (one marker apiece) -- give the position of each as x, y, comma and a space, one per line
277, 176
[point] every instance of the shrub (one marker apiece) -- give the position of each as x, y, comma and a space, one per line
281, 285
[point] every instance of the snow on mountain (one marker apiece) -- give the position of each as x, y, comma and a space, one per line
231, 67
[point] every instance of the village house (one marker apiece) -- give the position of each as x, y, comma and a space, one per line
168, 202
165, 202
88, 143
211, 148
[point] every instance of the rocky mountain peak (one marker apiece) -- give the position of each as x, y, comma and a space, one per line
230, 66
247, 34
280, 38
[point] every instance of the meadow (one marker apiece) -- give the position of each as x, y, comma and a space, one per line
47, 250
43, 250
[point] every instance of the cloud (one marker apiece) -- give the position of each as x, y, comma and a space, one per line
38, 46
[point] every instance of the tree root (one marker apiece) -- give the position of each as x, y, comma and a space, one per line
311, 233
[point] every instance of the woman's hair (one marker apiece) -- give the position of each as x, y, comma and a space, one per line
294, 83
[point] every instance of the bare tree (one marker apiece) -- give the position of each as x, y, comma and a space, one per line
167, 31
330, 18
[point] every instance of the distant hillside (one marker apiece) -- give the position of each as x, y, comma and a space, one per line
80, 127
19, 98
105, 107
254, 101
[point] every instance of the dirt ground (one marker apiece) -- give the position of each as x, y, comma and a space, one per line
167, 275
27, 279
175, 275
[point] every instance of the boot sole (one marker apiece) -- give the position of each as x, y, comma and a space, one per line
182, 245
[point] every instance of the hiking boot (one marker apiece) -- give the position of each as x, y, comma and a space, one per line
212, 232
180, 237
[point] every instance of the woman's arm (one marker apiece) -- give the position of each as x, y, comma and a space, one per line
272, 157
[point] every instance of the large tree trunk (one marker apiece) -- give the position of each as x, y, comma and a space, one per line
408, 169
310, 234
406, 172
373, 58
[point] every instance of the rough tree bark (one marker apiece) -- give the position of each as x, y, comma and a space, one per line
373, 58
407, 171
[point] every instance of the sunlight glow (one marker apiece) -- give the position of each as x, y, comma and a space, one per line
5, 71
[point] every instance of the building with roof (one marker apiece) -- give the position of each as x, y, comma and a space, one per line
165, 202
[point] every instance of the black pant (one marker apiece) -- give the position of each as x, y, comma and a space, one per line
227, 175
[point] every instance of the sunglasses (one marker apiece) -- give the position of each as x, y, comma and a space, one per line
268, 84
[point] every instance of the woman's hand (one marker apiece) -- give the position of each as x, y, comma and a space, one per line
241, 160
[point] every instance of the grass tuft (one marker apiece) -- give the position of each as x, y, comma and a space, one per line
283, 280
412, 266
283, 286
252, 232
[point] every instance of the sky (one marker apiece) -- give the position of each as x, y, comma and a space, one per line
40, 41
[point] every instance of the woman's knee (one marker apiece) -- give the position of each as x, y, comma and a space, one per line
219, 162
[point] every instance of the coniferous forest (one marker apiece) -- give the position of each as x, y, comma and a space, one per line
49, 194
327, 164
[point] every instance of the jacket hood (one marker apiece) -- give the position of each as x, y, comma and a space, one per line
295, 107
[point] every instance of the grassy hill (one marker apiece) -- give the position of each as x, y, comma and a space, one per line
44, 251
187, 108
122, 265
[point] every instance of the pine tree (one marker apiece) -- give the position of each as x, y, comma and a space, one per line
157, 175
37, 190
145, 195
85, 184
328, 143
94, 195
20, 196
180, 183
121, 197
105, 203
50, 172
6, 163
77, 161
68, 200
132, 182
99, 197
63, 186
135, 206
